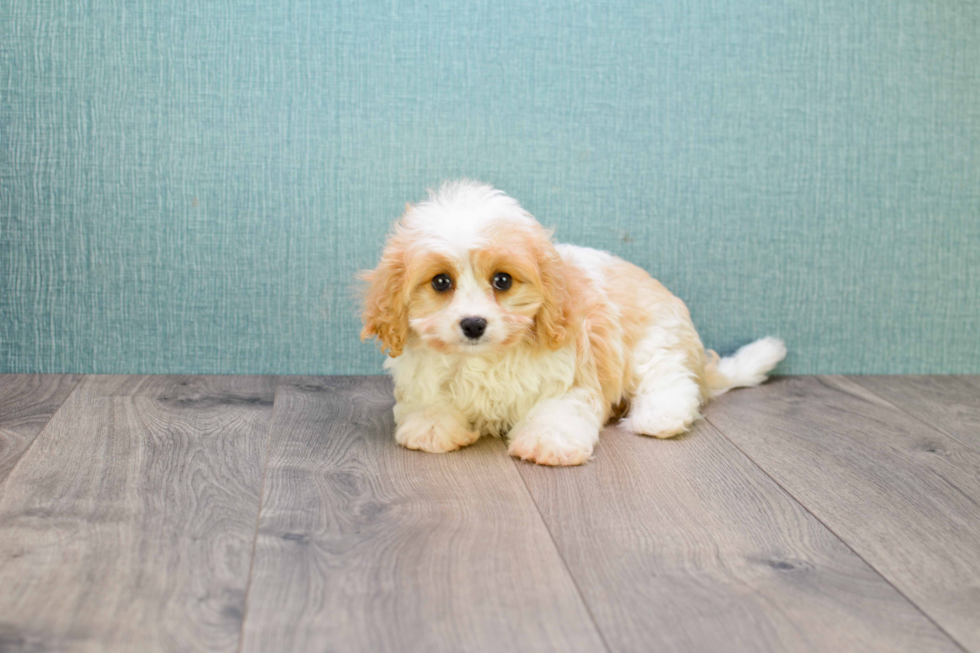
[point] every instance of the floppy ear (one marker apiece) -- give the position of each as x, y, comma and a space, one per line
385, 313
549, 323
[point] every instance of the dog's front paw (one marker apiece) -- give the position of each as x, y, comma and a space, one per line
435, 432
549, 443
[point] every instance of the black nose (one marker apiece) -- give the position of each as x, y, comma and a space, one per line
473, 327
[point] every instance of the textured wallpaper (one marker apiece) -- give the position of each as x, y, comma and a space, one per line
191, 185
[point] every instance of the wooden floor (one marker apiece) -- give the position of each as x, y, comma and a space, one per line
277, 514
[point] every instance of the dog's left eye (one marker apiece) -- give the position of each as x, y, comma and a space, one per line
442, 282
502, 281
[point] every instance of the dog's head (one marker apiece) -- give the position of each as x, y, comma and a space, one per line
466, 271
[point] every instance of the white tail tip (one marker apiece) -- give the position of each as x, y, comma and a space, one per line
747, 367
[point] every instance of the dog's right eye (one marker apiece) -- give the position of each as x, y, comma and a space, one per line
441, 283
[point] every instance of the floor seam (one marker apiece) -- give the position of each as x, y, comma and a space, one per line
23, 455
564, 563
839, 538
258, 517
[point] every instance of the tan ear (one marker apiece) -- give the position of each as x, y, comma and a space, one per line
549, 323
385, 312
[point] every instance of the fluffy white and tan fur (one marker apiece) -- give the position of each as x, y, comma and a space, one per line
578, 338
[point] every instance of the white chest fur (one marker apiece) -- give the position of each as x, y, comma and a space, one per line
492, 392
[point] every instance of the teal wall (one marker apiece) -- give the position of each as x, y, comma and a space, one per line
190, 185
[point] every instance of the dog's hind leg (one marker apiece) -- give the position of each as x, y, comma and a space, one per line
667, 394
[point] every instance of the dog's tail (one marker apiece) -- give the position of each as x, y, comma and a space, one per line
747, 367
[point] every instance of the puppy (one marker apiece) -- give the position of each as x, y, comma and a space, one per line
492, 329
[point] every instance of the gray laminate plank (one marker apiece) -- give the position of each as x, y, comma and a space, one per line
904, 496
365, 546
685, 545
129, 524
27, 402
184, 387
948, 403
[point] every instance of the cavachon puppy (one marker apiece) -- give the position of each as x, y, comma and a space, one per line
493, 329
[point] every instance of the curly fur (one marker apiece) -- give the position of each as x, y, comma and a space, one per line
580, 337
